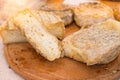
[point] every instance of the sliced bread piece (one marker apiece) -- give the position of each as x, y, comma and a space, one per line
52, 22
62, 10
37, 35
98, 44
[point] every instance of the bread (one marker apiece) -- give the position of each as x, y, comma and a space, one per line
52, 22
54, 26
87, 14
12, 36
61, 10
98, 44
37, 35
9, 33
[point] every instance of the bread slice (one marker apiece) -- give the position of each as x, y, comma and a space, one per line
37, 35
52, 22
12, 36
98, 44
10, 33
87, 14
62, 10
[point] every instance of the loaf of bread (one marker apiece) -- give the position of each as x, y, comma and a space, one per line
87, 14
98, 44
37, 35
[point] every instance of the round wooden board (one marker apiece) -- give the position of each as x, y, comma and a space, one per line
24, 60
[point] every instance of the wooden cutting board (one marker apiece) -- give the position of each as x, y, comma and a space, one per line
24, 60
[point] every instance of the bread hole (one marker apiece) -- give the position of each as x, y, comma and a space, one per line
42, 34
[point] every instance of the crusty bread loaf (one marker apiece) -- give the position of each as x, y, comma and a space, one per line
37, 35
61, 10
87, 14
52, 22
98, 44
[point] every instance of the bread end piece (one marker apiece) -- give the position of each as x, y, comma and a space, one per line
98, 44
37, 35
